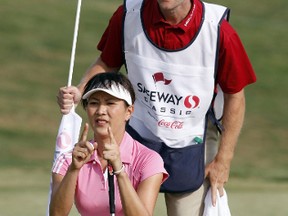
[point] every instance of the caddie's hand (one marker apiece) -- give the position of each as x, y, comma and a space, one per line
218, 174
112, 152
67, 96
82, 150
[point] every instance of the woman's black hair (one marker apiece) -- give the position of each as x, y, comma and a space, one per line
106, 79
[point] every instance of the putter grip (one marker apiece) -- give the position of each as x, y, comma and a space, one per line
111, 192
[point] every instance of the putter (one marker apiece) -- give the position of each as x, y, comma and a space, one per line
111, 190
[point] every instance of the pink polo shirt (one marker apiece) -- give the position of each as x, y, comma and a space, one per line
91, 196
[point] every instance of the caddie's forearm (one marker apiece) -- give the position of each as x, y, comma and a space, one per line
233, 117
97, 67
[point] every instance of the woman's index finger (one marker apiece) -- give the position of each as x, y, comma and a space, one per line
112, 139
84, 132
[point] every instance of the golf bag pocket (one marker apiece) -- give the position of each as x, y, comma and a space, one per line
185, 167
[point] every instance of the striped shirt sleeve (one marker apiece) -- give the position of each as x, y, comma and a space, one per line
62, 163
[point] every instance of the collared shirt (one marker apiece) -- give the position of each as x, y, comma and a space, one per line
234, 68
92, 192
167, 36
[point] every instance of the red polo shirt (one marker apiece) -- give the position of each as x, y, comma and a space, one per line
234, 68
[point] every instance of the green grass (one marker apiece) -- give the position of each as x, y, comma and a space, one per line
24, 192
36, 39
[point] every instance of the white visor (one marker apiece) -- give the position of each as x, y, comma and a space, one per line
116, 91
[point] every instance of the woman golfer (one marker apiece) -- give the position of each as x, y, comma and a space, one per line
80, 176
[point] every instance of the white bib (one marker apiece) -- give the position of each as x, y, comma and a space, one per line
173, 89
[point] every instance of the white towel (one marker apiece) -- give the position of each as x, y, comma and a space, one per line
221, 208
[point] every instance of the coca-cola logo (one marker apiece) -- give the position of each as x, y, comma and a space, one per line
171, 124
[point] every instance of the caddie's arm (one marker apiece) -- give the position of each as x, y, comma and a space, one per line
233, 116
97, 67
67, 96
